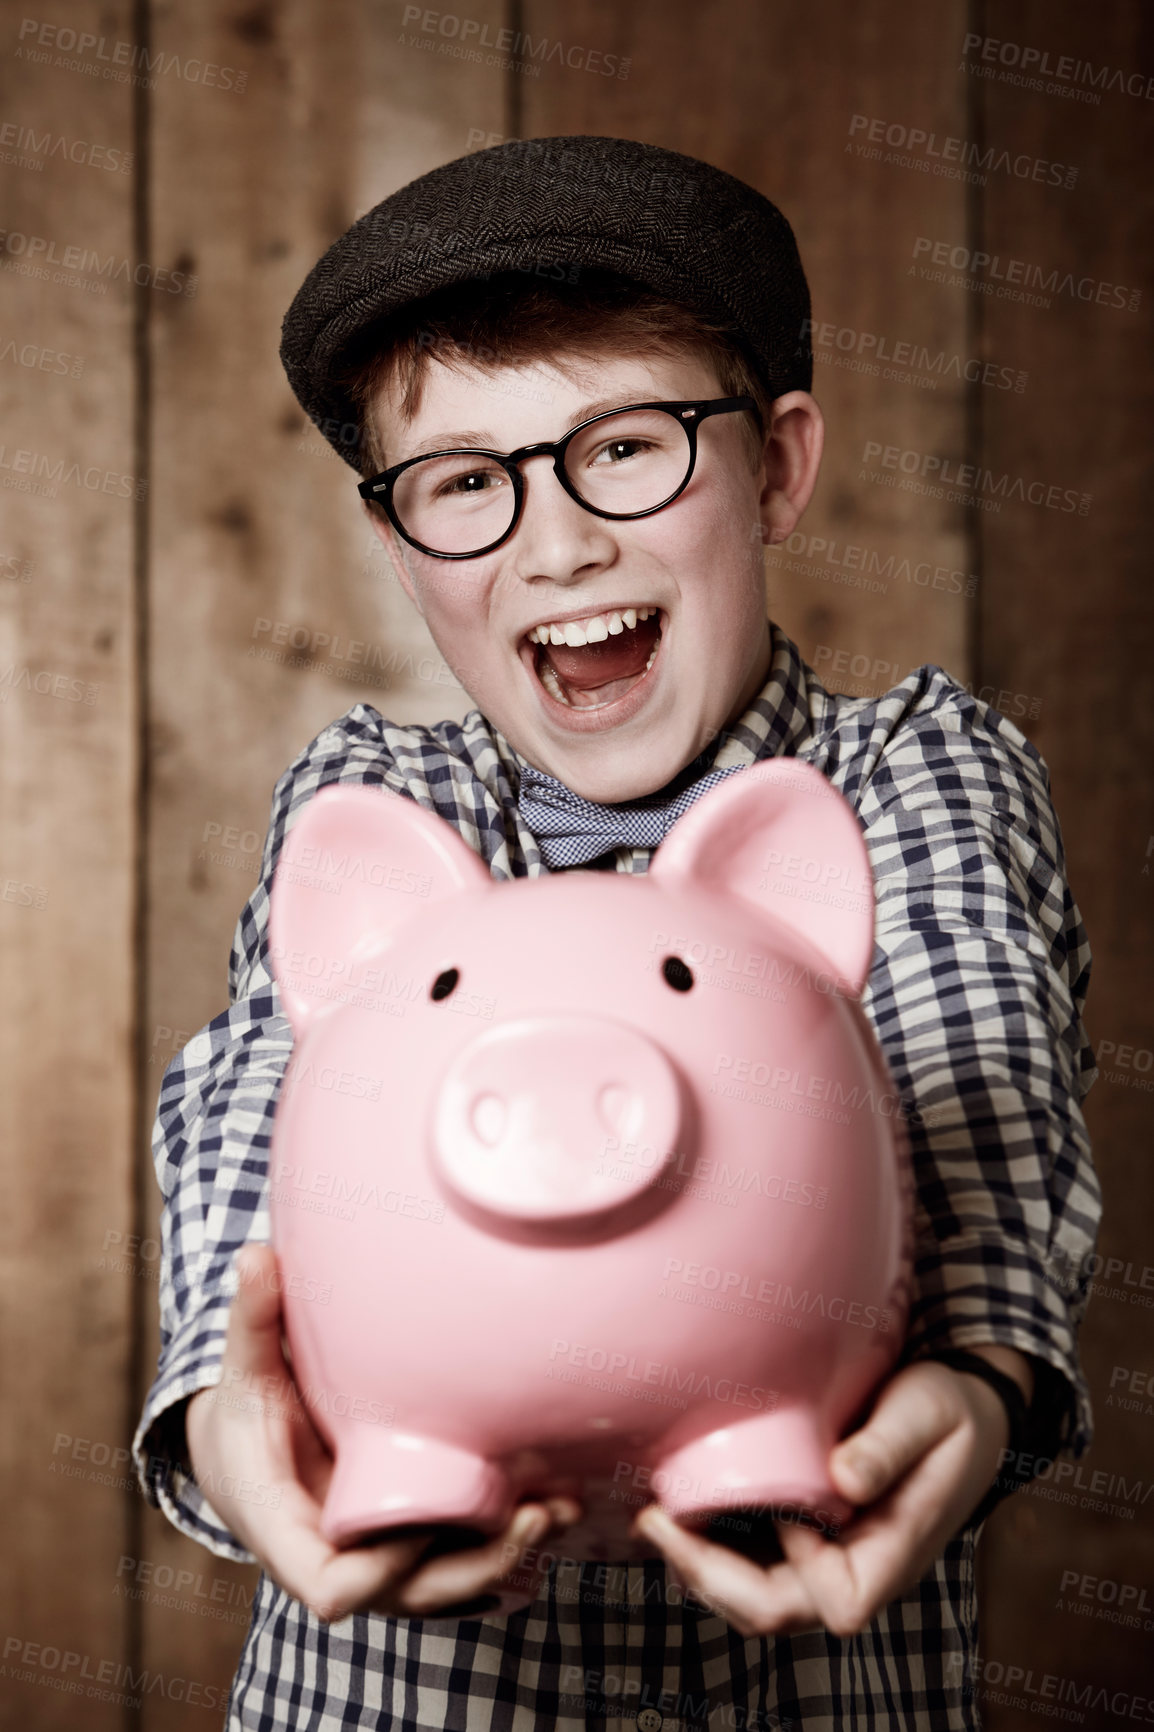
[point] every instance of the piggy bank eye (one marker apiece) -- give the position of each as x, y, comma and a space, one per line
444, 984
677, 974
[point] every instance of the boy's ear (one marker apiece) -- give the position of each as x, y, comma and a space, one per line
779, 836
357, 865
793, 448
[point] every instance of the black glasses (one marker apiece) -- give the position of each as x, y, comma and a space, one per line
625, 463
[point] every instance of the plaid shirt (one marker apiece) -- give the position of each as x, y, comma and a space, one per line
980, 972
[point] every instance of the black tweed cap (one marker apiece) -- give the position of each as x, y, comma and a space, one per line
670, 221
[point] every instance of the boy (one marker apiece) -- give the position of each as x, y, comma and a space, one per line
603, 600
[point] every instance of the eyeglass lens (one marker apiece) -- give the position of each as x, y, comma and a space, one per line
629, 461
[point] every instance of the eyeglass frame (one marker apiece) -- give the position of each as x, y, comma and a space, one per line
689, 413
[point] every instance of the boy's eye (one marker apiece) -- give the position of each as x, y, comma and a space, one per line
619, 447
472, 482
677, 974
444, 984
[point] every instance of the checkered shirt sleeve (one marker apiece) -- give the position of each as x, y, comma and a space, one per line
979, 975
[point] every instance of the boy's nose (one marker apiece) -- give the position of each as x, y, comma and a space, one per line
555, 535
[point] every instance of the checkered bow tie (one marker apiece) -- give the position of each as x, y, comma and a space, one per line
570, 831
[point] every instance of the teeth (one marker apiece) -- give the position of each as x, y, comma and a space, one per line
553, 685
593, 630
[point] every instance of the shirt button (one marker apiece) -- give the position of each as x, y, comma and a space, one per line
649, 1720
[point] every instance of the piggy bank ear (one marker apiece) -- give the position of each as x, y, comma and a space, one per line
358, 863
780, 836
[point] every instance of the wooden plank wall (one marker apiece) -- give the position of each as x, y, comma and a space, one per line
1065, 625
139, 857
69, 719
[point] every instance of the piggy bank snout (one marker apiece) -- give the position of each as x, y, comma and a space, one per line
555, 1118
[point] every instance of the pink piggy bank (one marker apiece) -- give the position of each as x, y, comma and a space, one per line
590, 1182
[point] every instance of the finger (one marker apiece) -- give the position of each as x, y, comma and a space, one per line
334, 1583
887, 1548
564, 1512
755, 1600
442, 1585
913, 1413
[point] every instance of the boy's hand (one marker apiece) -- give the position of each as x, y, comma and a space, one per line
922, 1462
253, 1431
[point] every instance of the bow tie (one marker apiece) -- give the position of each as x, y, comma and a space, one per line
570, 831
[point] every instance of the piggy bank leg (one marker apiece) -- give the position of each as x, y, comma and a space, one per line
387, 1479
742, 1477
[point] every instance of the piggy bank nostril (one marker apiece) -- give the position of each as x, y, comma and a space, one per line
620, 1110
488, 1116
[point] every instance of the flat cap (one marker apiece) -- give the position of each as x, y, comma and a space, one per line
669, 221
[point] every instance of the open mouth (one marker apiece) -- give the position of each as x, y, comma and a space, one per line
619, 648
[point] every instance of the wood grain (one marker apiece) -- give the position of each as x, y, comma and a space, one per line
68, 837
1066, 620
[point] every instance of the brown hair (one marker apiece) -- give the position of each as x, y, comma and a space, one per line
511, 318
